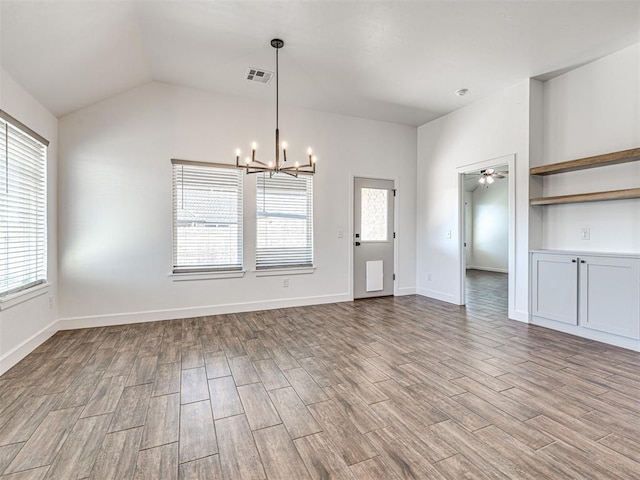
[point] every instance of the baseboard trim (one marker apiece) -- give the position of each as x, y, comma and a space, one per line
72, 323
519, 316
405, 291
445, 297
16, 354
578, 331
488, 269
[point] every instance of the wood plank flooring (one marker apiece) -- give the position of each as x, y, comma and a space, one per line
387, 388
486, 293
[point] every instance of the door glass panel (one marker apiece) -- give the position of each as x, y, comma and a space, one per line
373, 215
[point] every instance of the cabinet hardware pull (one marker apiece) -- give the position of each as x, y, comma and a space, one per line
583, 261
573, 260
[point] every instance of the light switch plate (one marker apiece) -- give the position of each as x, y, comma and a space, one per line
585, 234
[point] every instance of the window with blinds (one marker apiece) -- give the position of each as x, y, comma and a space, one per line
284, 221
23, 207
207, 217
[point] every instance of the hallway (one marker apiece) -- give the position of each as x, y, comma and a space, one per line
486, 293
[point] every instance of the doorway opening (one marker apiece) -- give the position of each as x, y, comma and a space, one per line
487, 233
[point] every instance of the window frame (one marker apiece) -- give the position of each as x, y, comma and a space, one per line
388, 234
281, 268
24, 291
187, 272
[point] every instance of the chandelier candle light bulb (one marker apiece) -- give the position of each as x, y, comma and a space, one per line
253, 165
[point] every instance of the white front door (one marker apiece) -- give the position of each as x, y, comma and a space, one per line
373, 237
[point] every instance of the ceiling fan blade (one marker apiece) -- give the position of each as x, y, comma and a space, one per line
497, 175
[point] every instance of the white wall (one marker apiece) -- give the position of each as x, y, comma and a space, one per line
26, 324
115, 228
491, 227
592, 110
489, 128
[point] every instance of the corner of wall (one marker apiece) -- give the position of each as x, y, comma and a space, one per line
24, 326
536, 152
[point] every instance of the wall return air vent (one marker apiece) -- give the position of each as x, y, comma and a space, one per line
260, 76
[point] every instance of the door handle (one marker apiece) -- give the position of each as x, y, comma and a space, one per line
357, 244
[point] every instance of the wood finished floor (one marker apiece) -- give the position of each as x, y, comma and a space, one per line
385, 388
486, 293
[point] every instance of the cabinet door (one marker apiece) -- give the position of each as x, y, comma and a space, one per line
554, 292
610, 295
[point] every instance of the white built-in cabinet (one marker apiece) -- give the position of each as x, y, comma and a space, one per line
593, 295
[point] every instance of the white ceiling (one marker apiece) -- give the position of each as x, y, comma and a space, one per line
390, 60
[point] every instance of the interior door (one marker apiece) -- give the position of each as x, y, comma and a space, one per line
374, 237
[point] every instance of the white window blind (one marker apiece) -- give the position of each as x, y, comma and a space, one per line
23, 207
207, 217
284, 221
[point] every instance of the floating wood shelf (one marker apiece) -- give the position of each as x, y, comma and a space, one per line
624, 156
587, 197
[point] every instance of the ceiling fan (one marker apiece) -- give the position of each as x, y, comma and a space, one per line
489, 175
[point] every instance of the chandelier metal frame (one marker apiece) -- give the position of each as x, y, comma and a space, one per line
253, 165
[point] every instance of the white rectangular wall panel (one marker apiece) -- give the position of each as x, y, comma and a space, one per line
375, 276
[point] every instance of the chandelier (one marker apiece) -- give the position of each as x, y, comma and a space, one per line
253, 165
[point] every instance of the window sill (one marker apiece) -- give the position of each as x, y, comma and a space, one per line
17, 298
188, 277
274, 272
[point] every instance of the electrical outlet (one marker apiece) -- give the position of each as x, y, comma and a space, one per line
449, 235
50, 301
339, 233
585, 234
285, 282
428, 277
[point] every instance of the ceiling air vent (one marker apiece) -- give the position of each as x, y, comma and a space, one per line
260, 76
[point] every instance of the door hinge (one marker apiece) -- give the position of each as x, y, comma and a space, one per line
394, 192
394, 276
394, 234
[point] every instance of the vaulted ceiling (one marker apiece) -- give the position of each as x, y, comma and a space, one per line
388, 60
